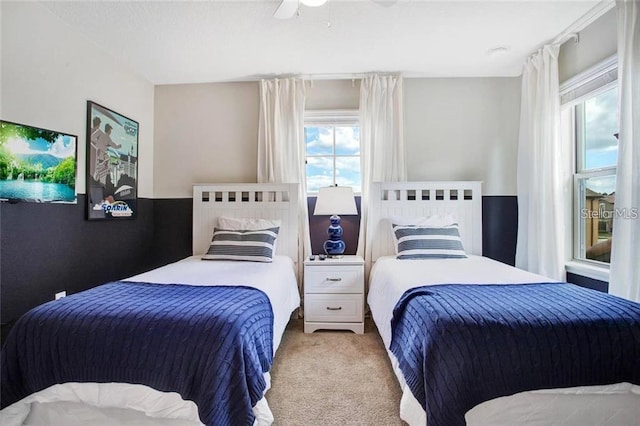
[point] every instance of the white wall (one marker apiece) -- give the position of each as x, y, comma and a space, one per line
463, 129
1, 56
597, 42
48, 73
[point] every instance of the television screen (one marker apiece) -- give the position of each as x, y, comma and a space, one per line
37, 165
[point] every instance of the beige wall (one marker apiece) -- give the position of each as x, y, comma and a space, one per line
209, 132
463, 129
48, 74
333, 94
204, 133
597, 42
454, 128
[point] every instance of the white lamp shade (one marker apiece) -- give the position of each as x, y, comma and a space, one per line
335, 200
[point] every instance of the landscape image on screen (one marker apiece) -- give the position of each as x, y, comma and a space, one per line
37, 165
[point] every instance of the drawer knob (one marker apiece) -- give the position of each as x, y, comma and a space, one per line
334, 279
329, 308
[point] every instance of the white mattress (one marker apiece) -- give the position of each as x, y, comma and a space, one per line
123, 404
389, 278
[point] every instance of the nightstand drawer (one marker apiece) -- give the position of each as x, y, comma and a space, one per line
334, 279
333, 308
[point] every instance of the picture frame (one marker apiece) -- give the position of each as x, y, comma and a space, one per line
112, 164
37, 165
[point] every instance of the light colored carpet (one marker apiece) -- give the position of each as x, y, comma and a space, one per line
333, 378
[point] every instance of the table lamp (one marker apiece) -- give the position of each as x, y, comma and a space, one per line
335, 201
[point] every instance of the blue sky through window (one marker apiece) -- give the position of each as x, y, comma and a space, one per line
600, 143
601, 123
333, 156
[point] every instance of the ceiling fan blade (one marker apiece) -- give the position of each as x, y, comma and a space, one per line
287, 9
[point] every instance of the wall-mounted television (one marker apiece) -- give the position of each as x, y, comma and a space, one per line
37, 165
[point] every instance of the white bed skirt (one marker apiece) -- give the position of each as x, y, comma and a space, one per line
108, 404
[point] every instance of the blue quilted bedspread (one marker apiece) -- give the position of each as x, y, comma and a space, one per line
209, 344
460, 345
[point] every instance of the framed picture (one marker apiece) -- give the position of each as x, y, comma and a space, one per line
112, 164
36, 165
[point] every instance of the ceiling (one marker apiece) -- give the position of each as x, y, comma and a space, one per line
172, 42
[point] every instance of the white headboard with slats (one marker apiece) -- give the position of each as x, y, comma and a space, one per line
420, 199
246, 200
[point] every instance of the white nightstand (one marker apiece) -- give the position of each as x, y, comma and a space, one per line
334, 294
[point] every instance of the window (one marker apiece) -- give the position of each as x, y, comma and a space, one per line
595, 130
332, 141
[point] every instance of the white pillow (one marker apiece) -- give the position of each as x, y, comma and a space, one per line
433, 220
246, 223
249, 224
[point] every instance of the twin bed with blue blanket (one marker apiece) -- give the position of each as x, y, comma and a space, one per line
475, 341
210, 344
480, 342
189, 343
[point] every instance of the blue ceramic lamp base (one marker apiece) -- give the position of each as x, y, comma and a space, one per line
334, 246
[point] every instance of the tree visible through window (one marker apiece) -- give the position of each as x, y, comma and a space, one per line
332, 150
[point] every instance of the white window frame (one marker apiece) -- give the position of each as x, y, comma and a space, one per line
575, 91
336, 118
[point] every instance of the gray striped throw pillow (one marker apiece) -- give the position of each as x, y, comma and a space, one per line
419, 242
250, 245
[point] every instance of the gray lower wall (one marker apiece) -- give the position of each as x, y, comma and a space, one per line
47, 248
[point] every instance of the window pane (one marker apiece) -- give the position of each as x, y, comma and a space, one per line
319, 173
319, 140
600, 128
597, 197
348, 172
332, 155
348, 140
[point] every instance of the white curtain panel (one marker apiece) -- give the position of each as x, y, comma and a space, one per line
382, 152
540, 247
281, 148
624, 279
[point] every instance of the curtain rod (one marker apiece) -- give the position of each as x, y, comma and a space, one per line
585, 20
310, 78
332, 76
